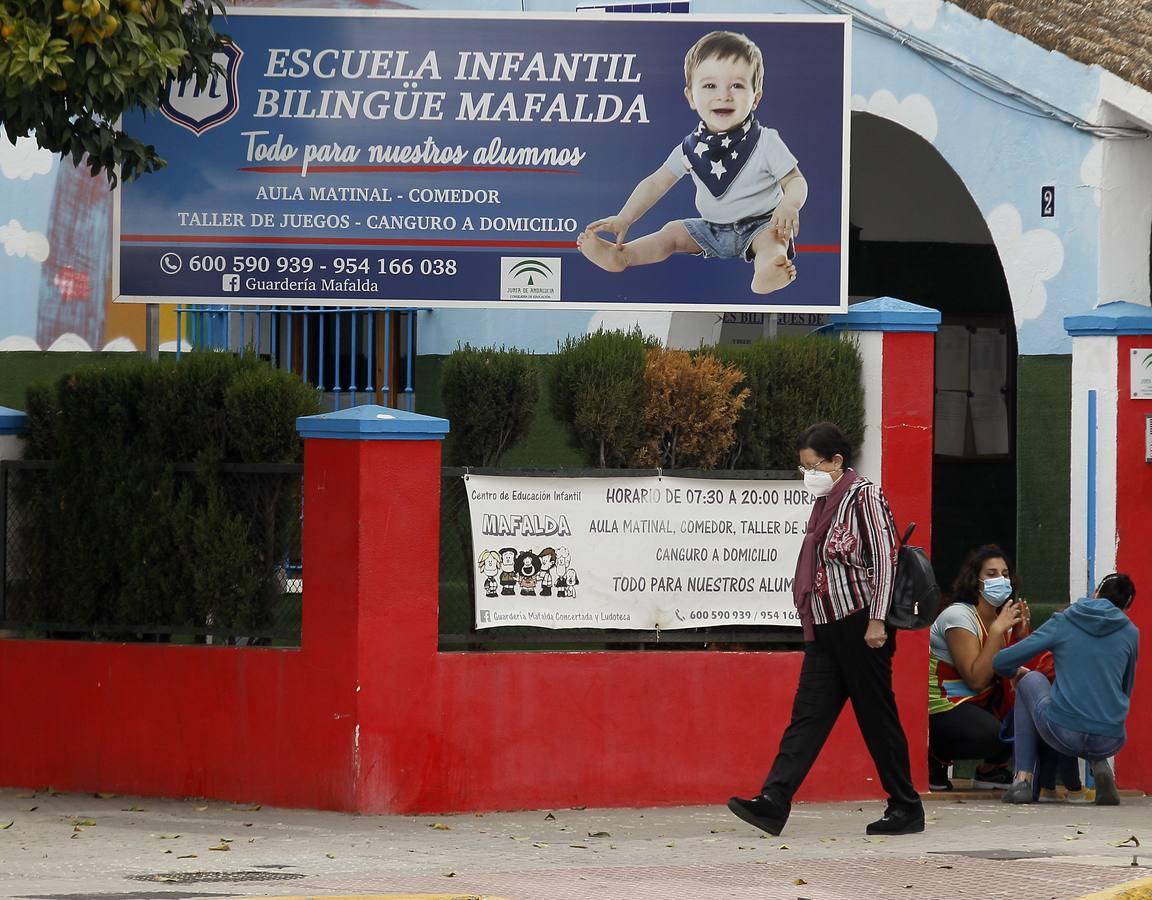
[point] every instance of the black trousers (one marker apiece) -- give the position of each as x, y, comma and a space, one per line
839, 666
967, 732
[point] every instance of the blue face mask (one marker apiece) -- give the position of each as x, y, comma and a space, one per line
996, 590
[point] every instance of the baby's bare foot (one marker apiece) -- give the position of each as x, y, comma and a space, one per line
779, 273
603, 253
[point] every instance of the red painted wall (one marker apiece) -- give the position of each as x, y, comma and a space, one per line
1134, 533
367, 715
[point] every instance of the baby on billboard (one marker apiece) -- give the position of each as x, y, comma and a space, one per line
749, 190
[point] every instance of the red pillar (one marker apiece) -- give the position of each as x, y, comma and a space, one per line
897, 343
371, 554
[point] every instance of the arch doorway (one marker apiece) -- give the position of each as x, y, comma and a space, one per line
917, 234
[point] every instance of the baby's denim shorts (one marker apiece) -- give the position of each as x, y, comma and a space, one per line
730, 241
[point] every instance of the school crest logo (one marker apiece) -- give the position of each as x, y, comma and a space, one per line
199, 109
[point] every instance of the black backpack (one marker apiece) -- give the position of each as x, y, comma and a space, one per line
915, 594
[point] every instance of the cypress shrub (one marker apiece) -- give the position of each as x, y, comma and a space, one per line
490, 398
597, 391
114, 535
793, 382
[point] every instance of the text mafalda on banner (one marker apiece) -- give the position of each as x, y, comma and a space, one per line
635, 553
543, 88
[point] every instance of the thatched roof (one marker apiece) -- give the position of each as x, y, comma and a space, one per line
1114, 34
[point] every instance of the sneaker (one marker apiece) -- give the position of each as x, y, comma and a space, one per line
1019, 792
998, 779
898, 820
1106, 793
1084, 795
938, 775
760, 812
1049, 795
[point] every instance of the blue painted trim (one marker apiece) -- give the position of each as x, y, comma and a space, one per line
373, 423
1091, 502
886, 314
12, 421
1119, 317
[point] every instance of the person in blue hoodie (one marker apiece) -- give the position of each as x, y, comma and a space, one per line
1082, 714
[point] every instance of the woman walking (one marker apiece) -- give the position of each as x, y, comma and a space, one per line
842, 590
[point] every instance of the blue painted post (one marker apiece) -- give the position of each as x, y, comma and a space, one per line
410, 360
337, 382
371, 353
352, 356
1091, 501
387, 367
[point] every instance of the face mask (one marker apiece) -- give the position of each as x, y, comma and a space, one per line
996, 590
818, 483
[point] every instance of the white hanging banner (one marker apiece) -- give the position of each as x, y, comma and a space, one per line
642, 553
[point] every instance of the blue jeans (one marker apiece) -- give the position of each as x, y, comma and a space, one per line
1034, 725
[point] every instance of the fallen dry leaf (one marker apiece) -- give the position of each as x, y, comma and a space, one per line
449, 874
540, 844
222, 847
330, 855
167, 837
133, 809
102, 796
799, 881
87, 823
440, 826
599, 834
1131, 841
31, 808
549, 818
200, 808
187, 856
585, 846
719, 830
4, 826
783, 847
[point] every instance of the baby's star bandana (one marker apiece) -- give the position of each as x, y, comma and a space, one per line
718, 158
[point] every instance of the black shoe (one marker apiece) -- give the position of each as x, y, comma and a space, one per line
899, 820
760, 812
998, 779
938, 775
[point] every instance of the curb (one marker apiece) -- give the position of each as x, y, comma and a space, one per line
1140, 889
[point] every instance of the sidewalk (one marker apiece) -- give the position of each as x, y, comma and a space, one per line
79, 846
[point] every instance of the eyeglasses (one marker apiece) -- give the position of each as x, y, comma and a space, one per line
813, 468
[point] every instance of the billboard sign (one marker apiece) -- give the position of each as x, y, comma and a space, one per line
379, 158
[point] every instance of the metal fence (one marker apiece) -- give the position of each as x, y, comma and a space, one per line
457, 585
352, 355
46, 592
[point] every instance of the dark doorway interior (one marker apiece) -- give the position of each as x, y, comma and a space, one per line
928, 244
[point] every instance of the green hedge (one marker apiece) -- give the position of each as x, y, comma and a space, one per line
115, 535
793, 381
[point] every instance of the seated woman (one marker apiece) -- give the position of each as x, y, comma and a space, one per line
1082, 713
967, 701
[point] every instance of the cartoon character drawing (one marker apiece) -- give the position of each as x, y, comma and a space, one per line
528, 571
547, 576
507, 571
565, 578
489, 563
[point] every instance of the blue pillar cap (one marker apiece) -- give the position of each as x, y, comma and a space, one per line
372, 423
12, 421
885, 314
1118, 317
